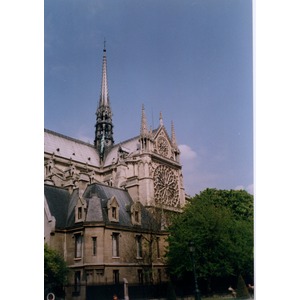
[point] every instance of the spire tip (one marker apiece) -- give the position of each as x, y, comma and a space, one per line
104, 48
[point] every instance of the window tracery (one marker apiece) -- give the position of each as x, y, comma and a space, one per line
166, 186
163, 146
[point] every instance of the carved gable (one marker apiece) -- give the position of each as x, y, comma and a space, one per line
162, 143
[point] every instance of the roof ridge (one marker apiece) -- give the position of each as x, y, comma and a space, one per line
126, 141
108, 186
133, 138
56, 187
68, 137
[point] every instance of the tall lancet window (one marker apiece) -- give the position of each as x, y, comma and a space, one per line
115, 244
139, 246
78, 245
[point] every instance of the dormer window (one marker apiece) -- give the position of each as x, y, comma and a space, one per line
114, 212
113, 209
136, 213
79, 212
137, 216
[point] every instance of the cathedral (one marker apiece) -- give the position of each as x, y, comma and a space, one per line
107, 206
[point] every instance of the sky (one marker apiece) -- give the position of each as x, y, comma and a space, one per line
190, 60
193, 43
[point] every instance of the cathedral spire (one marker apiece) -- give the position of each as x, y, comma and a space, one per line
175, 150
173, 137
145, 135
161, 123
104, 127
104, 98
144, 129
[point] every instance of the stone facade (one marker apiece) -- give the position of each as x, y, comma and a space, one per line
107, 205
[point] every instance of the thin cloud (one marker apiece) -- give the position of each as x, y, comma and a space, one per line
249, 188
187, 153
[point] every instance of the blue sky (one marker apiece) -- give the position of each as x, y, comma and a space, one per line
27, 103
190, 60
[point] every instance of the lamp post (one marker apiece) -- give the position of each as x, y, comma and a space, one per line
192, 251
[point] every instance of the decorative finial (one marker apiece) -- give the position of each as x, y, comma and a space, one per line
173, 137
161, 119
144, 129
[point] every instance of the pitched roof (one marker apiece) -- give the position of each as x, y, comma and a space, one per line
69, 148
94, 212
58, 200
76, 150
100, 194
71, 208
130, 146
62, 206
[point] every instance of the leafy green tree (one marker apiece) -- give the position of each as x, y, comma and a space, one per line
55, 271
239, 202
220, 223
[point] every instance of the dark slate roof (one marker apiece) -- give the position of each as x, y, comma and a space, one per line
94, 212
71, 209
58, 200
62, 206
97, 196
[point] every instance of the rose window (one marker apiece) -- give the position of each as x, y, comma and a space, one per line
166, 186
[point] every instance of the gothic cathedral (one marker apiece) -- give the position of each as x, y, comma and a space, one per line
107, 205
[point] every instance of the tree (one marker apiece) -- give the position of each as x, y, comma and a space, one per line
147, 244
220, 223
239, 202
55, 271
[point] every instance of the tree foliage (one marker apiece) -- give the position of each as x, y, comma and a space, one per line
55, 270
220, 223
